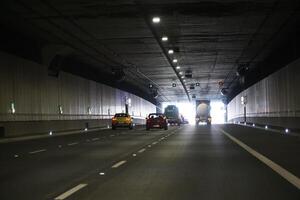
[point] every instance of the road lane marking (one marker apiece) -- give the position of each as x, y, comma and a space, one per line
118, 164
37, 151
16, 155
94, 139
154, 143
71, 144
149, 145
277, 168
102, 173
142, 150
70, 192
134, 155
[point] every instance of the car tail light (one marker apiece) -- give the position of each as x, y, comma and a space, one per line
114, 119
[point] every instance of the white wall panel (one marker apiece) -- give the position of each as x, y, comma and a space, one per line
37, 96
275, 96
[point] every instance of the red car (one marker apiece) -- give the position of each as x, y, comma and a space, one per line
156, 120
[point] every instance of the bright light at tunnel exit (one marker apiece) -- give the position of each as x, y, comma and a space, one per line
217, 112
188, 110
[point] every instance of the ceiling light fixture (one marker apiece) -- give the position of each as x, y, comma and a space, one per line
180, 73
182, 77
178, 67
156, 20
164, 38
175, 60
171, 51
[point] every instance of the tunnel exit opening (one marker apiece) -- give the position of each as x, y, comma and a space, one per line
186, 110
218, 112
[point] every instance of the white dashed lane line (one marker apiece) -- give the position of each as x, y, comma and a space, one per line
70, 192
154, 143
94, 139
118, 164
142, 150
37, 151
74, 143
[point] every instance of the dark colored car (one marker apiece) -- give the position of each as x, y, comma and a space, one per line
156, 120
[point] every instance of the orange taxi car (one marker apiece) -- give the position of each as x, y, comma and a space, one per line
121, 120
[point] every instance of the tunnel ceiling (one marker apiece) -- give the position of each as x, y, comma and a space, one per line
209, 38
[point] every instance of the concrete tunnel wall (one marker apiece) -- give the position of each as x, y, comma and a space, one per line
37, 98
273, 101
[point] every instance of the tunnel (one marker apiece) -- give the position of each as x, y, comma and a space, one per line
154, 100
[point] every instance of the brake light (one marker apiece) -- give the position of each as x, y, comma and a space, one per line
114, 119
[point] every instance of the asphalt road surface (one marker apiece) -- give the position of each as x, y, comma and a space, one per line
218, 162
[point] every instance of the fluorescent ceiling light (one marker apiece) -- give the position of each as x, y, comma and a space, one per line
156, 20
164, 38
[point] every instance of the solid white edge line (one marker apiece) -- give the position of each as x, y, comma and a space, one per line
37, 151
70, 192
142, 150
277, 168
118, 164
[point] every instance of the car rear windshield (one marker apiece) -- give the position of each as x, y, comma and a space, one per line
155, 115
121, 115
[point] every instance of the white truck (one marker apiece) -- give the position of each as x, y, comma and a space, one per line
203, 112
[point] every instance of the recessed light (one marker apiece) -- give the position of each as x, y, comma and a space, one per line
266, 127
164, 38
197, 84
180, 73
175, 60
156, 20
171, 51
182, 77
287, 130
178, 67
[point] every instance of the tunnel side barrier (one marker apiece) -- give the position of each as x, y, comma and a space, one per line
274, 101
32, 102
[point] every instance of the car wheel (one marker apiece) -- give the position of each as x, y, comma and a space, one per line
130, 127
